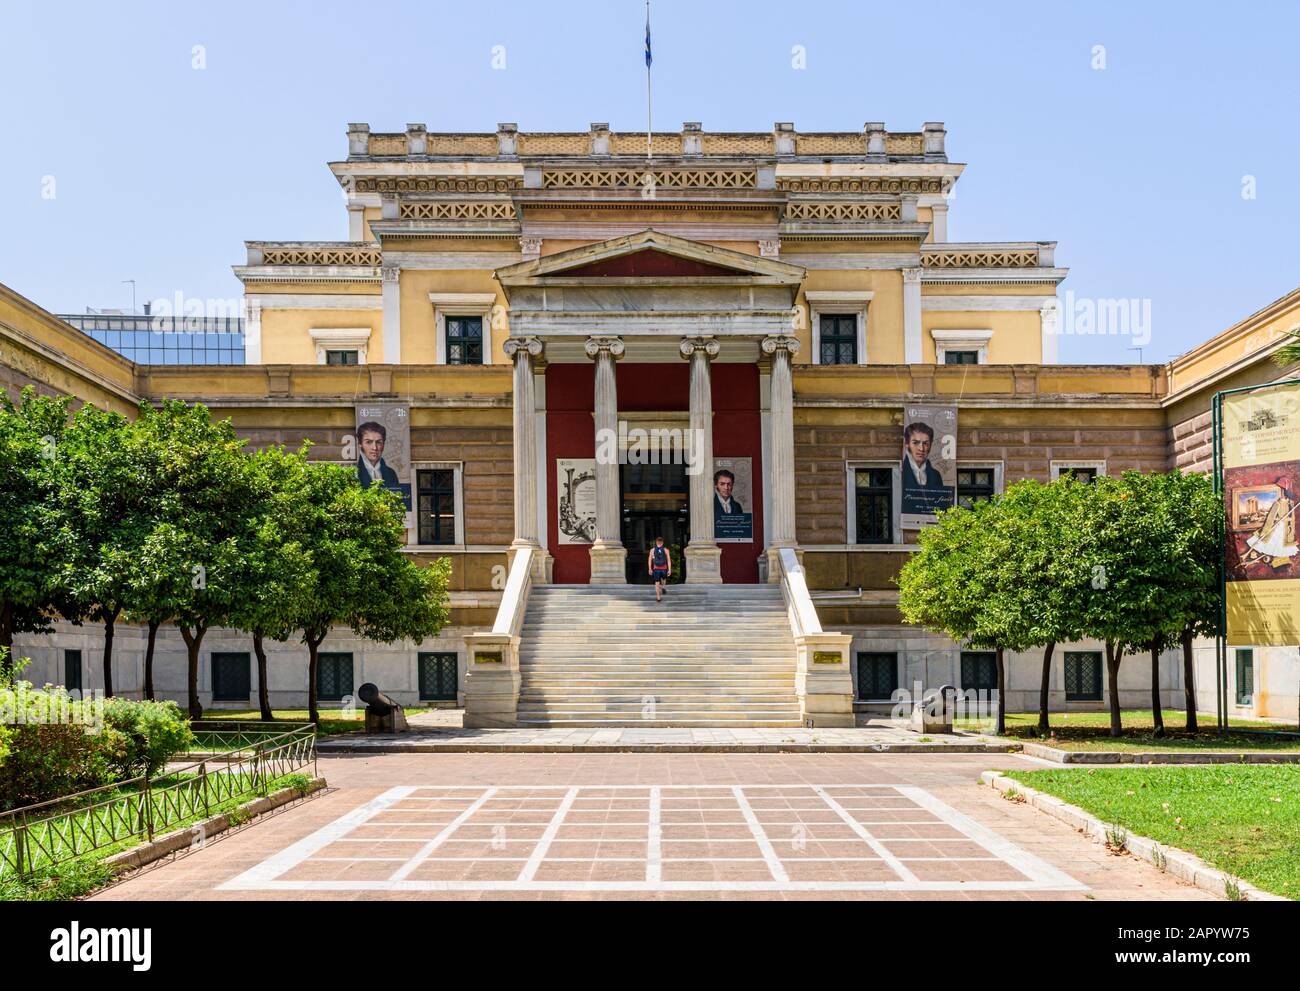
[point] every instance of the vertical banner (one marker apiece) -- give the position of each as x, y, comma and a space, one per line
576, 509
733, 500
929, 466
1261, 479
384, 448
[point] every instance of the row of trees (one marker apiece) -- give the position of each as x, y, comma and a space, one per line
165, 518
1129, 561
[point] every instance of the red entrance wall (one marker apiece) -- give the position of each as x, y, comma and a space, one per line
570, 399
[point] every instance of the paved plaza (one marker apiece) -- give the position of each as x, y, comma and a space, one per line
632, 825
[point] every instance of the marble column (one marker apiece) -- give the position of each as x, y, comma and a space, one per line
912, 316
781, 470
608, 556
522, 351
703, 555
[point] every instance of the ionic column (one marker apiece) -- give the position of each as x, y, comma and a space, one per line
522, 350
703, 555
608, 556
912, 316
781, 471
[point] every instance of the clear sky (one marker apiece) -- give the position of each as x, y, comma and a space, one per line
121, 160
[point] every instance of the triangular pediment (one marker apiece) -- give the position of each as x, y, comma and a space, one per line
652, 256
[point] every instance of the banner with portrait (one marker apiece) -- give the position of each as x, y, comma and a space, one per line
576, 506
929, 465
1260, 445
733, 500
383, 448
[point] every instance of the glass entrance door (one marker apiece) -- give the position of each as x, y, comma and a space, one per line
655, 503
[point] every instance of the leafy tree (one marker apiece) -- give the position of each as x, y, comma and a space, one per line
360, 577
1289, 353
279, 579
30, 565
195, 553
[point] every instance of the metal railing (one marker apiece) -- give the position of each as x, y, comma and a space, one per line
51, 833
222, 735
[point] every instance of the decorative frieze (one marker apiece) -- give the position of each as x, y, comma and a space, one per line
653, 178
980, 258
836, 210
895, 185
406, 185
458, 210
326, 255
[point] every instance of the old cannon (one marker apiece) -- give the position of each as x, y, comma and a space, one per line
383, 714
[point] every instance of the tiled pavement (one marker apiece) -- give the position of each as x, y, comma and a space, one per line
711, 826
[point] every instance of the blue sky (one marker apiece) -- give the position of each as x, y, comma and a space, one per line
161, 171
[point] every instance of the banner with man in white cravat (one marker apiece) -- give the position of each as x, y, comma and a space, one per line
383, 447
929, 466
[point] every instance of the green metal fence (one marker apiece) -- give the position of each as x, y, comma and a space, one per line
54, 832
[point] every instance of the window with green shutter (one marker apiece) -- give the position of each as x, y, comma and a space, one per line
333, 677
72, 670
1245, 676
979, 671
877, 676
438, 677
1083, 676
231, 681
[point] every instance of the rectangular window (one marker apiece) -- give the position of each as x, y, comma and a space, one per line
1083, 676
961, 357
437, 677
231, 681
979, 671
72, 670
333, 677
341, 357
877, 676
1245, 676
435, 495
974, 485
1085, 475
839, 338
874, 505
464, 340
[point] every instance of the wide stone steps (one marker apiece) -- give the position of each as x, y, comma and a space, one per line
604, 655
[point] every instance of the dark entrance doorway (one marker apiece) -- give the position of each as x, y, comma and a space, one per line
655, 503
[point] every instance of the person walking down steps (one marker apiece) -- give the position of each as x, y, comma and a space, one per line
660, 564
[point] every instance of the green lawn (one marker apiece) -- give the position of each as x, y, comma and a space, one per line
332, 721
1091, 731
1241, 818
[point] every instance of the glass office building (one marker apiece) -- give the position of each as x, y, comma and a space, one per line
157, 340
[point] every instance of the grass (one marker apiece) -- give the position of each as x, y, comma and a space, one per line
75, 878
332, 721
1091, 731
1243, 819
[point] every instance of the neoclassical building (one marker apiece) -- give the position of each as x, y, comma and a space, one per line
721, 345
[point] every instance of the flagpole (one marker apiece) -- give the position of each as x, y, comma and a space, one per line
648, 114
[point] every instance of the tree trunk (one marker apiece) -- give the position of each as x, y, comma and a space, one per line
110, 627
313, 645
1044, 724
1157, 716
1002, 693
263, 695
1113, 656
1189, 680
193, 640
6, 643
148, 659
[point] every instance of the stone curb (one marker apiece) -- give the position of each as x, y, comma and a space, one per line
180, 839
1181, 864
326, 749
1057, 756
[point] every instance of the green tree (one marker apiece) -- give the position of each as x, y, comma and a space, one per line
195, 553
280, 577
1289, 353
31, 567
360, 577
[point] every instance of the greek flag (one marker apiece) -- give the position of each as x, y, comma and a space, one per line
648, 58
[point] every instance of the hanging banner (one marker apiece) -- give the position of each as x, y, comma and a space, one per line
383, 441
929, 466
576, 510
733, 500
1260, 444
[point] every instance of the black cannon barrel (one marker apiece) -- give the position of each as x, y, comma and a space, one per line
376, 701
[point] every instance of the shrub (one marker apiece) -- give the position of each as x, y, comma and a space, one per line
149, 735
50, 760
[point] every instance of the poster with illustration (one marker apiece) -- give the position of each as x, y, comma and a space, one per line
929, 466
576, 506
733, 500
383, 445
